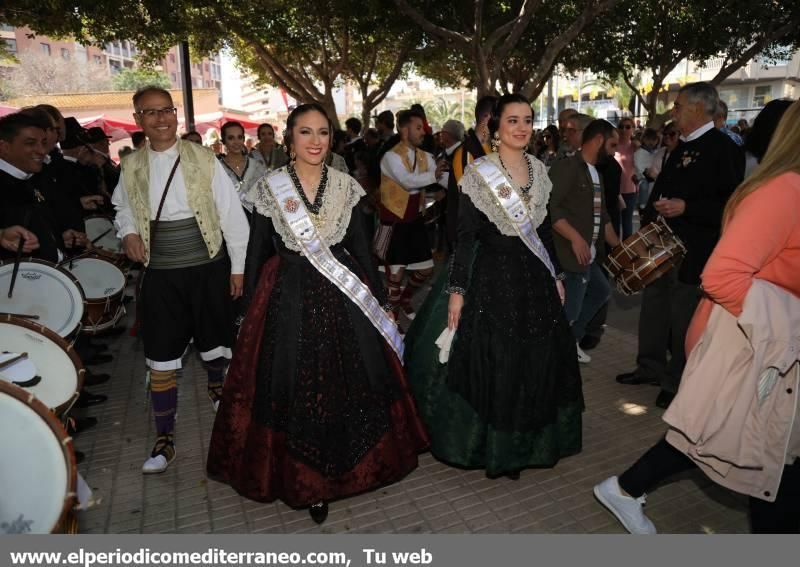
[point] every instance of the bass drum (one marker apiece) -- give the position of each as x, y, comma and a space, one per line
37, 471
45, 290
50, 369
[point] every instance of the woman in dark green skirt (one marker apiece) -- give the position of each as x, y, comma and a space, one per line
509, 397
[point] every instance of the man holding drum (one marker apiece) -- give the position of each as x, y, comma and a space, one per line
581, 225
178, 214
690, 193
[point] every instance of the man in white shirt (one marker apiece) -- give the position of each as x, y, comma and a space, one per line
194, 251
406, 172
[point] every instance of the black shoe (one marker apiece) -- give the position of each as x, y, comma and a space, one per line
664, 399
93, 379
513, 475
127, 299
319, 512
589, 342
100, 359
79, 457
76, 425
635, 379
87, 399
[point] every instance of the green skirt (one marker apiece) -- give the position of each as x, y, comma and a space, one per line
499, 403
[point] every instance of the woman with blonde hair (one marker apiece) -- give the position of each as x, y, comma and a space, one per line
735, 415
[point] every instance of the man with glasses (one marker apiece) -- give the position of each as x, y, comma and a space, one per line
572, 133
690, 192
178, 214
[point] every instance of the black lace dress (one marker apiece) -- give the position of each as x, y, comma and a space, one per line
510, 396
315, 404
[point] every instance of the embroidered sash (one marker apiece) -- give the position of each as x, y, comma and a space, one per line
515, 210
295, 214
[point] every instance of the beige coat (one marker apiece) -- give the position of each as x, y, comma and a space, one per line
735, 412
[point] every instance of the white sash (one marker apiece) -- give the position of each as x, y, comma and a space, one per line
515, 210
296, 215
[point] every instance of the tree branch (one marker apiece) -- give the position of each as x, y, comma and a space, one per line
520, 24
748, 54
431, 28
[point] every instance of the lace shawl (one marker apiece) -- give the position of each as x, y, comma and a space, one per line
535, 201
341, 195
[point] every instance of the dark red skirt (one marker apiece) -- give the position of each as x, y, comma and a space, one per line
254, 458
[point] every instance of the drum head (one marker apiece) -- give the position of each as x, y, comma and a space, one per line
37, 471
103, 227
98, 278
47, 291
58, 370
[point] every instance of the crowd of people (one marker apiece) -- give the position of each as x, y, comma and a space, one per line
294, 271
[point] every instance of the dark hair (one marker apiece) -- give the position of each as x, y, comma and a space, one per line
417, 107
552, 129
12, 124
760, 134
404, 117
150, 89
187, 135
386, 118
54, 113
262, 126
40, 114
353, 124
484, 106
338, 136
649, 134
598, 127
297, 113
138, 137
227, 126
499, 106
371, 133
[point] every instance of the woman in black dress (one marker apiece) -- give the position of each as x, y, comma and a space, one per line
315, 405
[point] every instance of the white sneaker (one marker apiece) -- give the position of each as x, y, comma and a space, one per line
583, 358
160, 458
626, 509
215, 405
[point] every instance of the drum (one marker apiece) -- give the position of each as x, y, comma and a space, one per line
644, 257
45, 290
101, 232
433, 210
104, 287
51, 370
37, 471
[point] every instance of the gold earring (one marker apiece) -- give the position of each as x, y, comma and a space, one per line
495, 142
292, 155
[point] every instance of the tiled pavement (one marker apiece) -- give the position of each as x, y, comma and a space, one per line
620, 423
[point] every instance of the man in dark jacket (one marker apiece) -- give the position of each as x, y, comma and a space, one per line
690, 193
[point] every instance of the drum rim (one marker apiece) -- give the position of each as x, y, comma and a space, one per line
63, 271
60, 341
65, 442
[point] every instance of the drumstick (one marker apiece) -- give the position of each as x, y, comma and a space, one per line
20, 315
14, 359
94, 241
19, 256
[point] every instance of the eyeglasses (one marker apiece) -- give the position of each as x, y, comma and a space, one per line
153, 112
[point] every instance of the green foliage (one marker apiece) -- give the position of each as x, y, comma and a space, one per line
132, 79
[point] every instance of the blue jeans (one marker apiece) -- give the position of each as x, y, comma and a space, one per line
586, 293
627, 214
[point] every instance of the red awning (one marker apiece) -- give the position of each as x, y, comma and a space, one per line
4, 110
216, 119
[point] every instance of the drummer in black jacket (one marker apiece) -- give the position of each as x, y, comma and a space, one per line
23, 143
690, 193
